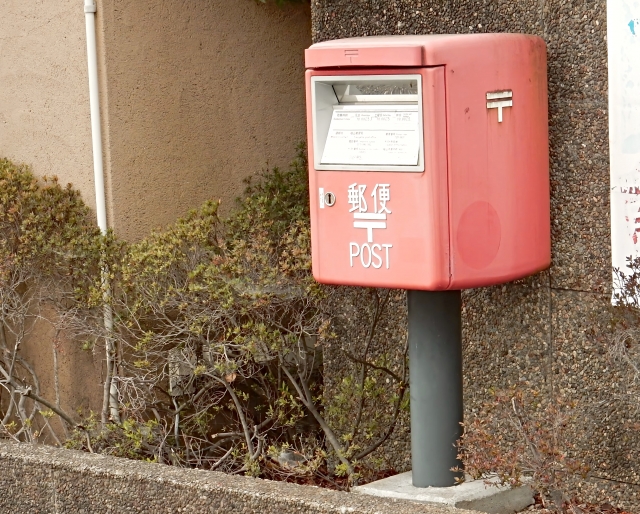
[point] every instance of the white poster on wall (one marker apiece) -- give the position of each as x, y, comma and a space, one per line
623, 37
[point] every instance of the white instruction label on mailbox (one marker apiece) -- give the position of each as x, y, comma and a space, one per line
373, 137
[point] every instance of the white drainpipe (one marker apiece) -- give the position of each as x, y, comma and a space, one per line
111, 387
94, 100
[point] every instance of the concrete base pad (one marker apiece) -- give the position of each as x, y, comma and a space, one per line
472, 494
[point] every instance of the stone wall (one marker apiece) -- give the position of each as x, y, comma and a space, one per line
548, 332
49, 480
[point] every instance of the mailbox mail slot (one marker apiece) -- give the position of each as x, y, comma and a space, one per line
428, 157
366, 123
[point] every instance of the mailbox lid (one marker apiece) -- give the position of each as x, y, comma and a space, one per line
353, 54
409, 50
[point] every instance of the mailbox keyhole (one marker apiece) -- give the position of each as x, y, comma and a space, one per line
329, 199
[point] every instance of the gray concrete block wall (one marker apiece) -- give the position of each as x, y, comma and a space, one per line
548, 332
38, 479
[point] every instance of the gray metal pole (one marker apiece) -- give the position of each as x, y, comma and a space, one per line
435, 379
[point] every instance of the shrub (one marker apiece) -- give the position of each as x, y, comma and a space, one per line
220, 329
50, 261
520, 438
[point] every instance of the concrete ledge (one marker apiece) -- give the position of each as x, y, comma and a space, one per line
473, 494
50, 480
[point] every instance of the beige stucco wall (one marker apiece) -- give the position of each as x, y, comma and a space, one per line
44, 99
200, 95
196, 96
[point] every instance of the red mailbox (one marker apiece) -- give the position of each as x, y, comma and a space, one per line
429, 160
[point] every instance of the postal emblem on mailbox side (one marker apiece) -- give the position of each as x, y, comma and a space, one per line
499, 100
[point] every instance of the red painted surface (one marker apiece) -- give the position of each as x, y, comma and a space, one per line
479, 213
330, 57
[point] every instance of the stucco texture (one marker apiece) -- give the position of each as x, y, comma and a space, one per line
195, 96
548, 332
199, 95
44, 97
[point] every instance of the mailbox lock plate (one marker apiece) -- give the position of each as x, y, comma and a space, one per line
329, 199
